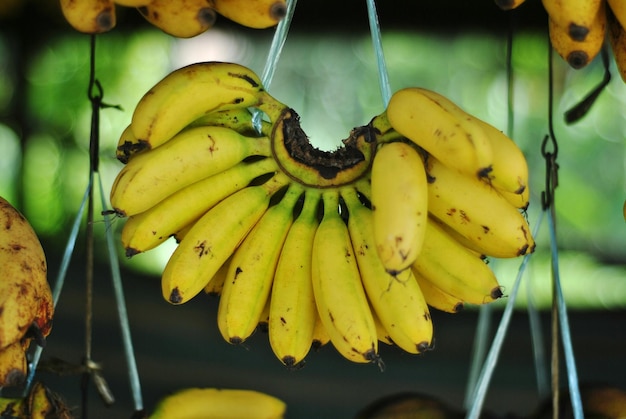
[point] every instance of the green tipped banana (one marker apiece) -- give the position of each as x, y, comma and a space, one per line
312, 167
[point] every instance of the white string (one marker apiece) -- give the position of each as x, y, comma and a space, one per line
383, 77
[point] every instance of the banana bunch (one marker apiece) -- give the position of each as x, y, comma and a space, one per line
351, 246
179, 18
26, 306
39, 403
219, 404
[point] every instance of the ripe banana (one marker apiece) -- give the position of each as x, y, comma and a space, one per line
292, 309
240, 120
509, 172
436, 297
396, 298
128, 145
431, 126
181, 18
457, 271
189, 92
25, 295
617, 38
132, 3
148, 229
257, 14
216, 284
477, 212
13, 363
193, 155
578, 51
89, 16
399, 198
339, 294
251, 272
219, 403
213, 238
576, 17
320, 334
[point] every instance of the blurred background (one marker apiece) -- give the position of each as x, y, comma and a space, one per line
328, 74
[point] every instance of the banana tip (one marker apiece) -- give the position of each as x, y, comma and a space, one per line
175, 297
496, 293
278, 10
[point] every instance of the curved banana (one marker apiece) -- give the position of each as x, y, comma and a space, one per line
579, 51
89, 16
181, 18
320, 334
292, 309
219, 403
192, 155
431, 126
213, 239
148, 229
251, 272
576, 17
436, 297
189, 92
240, 120
617, 38
25, 295
257, 14
397, 300
216, 284
339, 295
399, 200
317, 168
13, 363
509, 172
477, 212
454, 269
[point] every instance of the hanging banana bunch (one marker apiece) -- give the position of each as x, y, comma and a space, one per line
352, 246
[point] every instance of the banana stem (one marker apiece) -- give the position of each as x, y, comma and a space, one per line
383, 75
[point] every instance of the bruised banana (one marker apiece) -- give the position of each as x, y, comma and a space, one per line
187, 93
214, 238
148, 229
575, 17
39, 403
454, 269
249, 279
190, 156
579, 51
181, 18
25, 297
13, 363
477, 212
89, 16
399, 199
397, 299
432, 127
257, 14
339, 295
219, 403
293, 314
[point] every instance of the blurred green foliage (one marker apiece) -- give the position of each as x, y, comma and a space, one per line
332, 81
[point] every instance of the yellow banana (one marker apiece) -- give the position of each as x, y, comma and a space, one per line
509, 4
509, 171
132, 3
436, 297
576, 17
339, 294
251, 272
219, 404
240, 120
457, 271
148, 229
320, 334
257, 14
477, 212
381, 332
213, 239
216, 284
519, 201
617, 8
13, 363
181, 18
399, 198
191, 156
292, 309
318, 168
579, 51
428, 124
25, 295
89, 16
617, 39
128, 145
264, 318
189, 92
397, 300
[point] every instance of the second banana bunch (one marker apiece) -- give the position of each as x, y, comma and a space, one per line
352, 246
